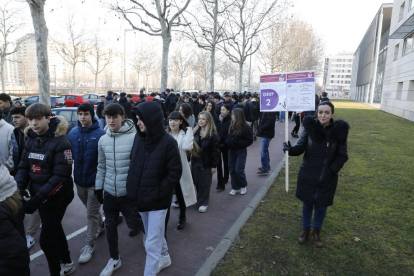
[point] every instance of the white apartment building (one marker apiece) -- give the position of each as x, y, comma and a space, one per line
337, 74
11, 70
398, 90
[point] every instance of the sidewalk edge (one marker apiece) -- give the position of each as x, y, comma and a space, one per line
224, 245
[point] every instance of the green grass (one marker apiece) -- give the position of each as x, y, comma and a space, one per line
373, 202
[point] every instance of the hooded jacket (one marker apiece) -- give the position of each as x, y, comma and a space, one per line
108, 100
155, 162
326, 152
85, 152
126, 105
47, 164
114, 150
6, 113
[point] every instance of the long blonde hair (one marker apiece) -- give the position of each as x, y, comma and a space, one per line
13, 202
210, 126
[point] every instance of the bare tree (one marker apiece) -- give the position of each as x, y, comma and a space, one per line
108, 79
151, 64
138, 60
10, 22
247, 21
206, 29
182, 63
133, 81
165, 13
286, 50
74, 51
41, 34
98, 57
202, 67
226, 71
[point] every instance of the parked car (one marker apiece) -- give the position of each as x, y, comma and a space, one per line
92, 98
73, 100
55, 102
70, 113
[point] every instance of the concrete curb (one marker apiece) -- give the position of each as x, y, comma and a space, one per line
224, 245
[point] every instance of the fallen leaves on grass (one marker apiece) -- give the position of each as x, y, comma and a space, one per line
357, 239
210, 248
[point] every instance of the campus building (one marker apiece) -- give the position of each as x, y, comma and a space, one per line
383, 66
337, 74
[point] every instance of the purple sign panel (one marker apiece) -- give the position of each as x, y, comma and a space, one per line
269, 99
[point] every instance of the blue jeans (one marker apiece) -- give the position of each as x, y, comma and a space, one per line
102, 123
264, 153
319, 216
282, 116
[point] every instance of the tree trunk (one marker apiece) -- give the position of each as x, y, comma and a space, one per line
166, 40
96, 81
240, 77
3, 86
74, 78
41, 35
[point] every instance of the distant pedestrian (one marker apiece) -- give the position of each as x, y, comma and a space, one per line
324, 144
223, 126
125, 104
211, 107
6, 104
99, 109
324, 97
109, 98
266, 130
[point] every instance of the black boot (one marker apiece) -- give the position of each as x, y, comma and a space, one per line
181, 222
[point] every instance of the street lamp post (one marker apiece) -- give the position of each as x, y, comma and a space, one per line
126, 30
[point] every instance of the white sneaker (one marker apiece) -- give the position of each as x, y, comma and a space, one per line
30, 241
86, 254
111, 267
66, 269
243, 191
175, 205
202, 209
234, 192
165, 261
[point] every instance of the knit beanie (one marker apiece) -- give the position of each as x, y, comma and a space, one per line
7, 184
88, 107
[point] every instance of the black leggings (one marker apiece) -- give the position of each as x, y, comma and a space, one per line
180, 198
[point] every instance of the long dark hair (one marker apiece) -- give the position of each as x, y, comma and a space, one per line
187, 110
175, 115
213, 107
239, 122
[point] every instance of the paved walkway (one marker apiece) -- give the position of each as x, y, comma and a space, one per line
187, 247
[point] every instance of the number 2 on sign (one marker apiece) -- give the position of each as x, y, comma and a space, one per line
268, 102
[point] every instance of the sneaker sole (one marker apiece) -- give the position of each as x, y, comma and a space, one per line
168, 265
84, 261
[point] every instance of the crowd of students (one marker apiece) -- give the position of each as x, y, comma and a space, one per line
131, 160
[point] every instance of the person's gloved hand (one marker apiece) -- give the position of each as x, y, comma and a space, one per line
32, 205
99, 195
286, 146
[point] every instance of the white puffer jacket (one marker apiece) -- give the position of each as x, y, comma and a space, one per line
6, 145
114, 150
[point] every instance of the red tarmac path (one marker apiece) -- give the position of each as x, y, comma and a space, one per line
187, 247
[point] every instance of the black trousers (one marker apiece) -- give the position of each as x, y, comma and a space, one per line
53, 239
223, 175
202, 180
112, 206
180, 198
298, 119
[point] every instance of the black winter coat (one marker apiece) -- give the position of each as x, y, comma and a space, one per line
155, 167
223, 128
266, 128
126, 105
324, 100
256, 115
326, 152
210, 150
47, 164
14, 255
218, 108
248, 111
230, 103
235, 142
99, 109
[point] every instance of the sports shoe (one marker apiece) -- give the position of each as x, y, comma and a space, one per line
86, 254
243, 191
165, 261
234, 192
262, 172
111, 267
67, 269
134, 232
30, 241
101, 230
220, 188
175, 204
260, 169
202, 209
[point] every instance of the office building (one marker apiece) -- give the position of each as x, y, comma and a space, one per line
337, 74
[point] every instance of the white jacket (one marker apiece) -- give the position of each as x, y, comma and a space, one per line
185, 143
114, 150
6, 145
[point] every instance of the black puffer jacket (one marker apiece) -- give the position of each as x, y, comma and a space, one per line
47, 164
14, 255
210, 150
126, 105
155, 167
326, 152
99, 109
223, 128
235, 142
248, 111
267, 123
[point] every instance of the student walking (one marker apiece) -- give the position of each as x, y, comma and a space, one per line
223, 126
154, 172
114, 149
179, 129
324, 144
14, 255
47, 165
205, 164
239, 138
267, 132
298, 119
85, 139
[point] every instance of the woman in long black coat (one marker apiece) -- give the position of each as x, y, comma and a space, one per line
324, 144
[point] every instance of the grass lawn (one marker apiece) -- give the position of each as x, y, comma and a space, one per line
373, 202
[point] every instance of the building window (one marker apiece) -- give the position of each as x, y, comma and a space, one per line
408, 45
332, 81
396, 49
410, 96
402, 7
399, 91
411, 4
332, 76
